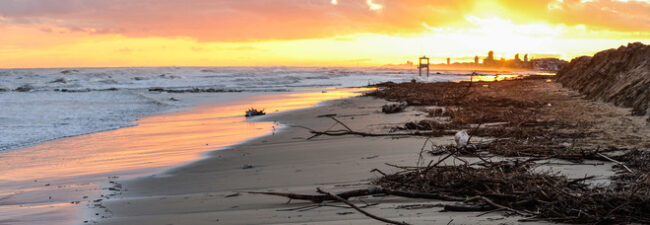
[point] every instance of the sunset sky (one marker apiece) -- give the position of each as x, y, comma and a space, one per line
100, 33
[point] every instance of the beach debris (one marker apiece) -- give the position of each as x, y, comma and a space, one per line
371, 157
461, 138
361, 210
255, 112
373, 190
232, 195
113, 189
429, 125
437, 112
393, 108
419, 206
173, 99
512, 185
349, 131
247, 166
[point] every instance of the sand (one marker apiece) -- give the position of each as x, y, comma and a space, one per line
214, 190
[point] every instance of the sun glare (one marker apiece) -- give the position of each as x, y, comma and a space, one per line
374, 6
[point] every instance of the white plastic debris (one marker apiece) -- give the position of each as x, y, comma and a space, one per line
461, 138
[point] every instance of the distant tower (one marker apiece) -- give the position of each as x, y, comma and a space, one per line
490, 59
517, 57
476, 60
526, 58
423, 63
448, 61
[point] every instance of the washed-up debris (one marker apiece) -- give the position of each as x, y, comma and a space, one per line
255, 112
393, 108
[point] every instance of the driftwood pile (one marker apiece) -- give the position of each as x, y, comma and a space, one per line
511, 184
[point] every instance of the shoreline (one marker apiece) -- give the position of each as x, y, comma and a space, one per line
77, 179
195, 193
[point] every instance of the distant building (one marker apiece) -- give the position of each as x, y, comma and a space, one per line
476, 60
448, 61
526, 58
489, 61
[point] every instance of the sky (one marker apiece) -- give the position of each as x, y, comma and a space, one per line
133, 33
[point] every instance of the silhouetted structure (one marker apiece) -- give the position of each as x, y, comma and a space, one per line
424, 63
489, 61
547, 64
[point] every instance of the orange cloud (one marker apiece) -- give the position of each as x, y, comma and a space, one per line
296, 19
616, 15
234, 20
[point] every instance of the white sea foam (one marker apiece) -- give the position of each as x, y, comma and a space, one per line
37, 105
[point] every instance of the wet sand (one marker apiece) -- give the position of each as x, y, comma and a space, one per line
53, 183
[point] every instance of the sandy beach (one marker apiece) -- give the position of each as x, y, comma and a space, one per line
214, 190
409, 112
199, 193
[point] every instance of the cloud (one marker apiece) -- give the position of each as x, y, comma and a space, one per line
616, 15
252, 20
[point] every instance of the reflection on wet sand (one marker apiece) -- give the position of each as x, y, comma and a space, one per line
51, 173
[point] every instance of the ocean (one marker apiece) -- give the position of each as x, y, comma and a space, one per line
38, 105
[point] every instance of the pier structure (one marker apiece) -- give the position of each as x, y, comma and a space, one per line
423, 63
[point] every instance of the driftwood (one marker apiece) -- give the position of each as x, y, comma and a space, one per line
349, 131
363, 192
338, 198
513, 186
364, 134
